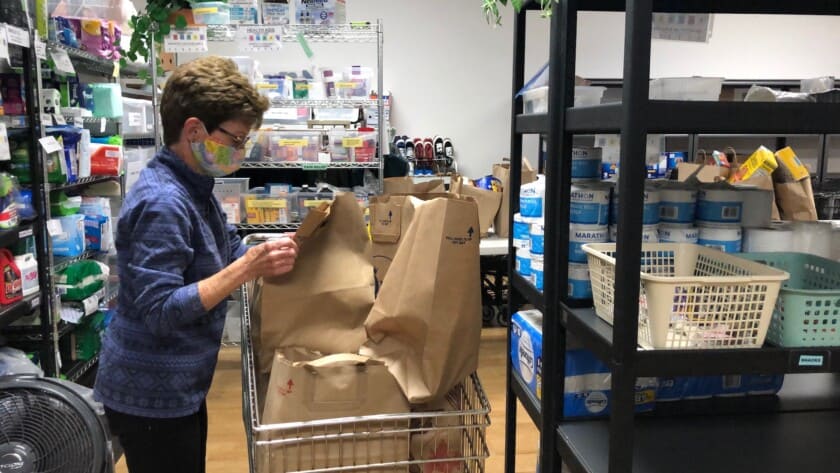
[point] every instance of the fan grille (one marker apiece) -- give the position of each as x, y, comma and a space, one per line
55, 431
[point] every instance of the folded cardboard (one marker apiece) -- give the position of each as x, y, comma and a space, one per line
323, 302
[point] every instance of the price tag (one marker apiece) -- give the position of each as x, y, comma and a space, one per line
46, 119
78, 122
40, 49
4, 43
50, 145
345, 85
352, 142
260, 38
25, 233
35, 303
62, 61
17, 36
59, 120
314, 167
192, 39
102, 124
297, 143
5, 154
324, 158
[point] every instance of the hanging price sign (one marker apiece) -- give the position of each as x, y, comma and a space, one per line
260, 38
192, 39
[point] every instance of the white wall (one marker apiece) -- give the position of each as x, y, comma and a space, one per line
450, 72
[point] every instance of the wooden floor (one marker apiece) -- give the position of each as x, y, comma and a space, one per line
226, 438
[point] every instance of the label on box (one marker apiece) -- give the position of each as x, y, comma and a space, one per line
40, 49
260, 38
50, 145
5, 154
267, 203
25, 233
811, 360
17, 36
345, 85
113, 154
352, 142
324, 158
192, 39
62, 61
59, 120
231, 209
289, 142
205, 10
315, 203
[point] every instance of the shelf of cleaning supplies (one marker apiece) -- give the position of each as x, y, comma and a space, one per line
80, 367
308, 166
270, 227
81, 182
358, 32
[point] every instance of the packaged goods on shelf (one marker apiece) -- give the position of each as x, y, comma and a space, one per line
719, 206
704, 387
68, 235
586, 163
25, 207
650, 233
726, 238
61, 205
138, 116
677, 205
98, 233
777, 237
262, 208
700, 317
74, 311
105, 159
537, 277
587, 381
532, 199
580, 287
211, 13
650, 215
521, 232
11, 88
308, 199
357, 83
12, 281
70, 136
523, 262
761, 163
806, 310
537, 238
87, 338
9, 201
323, 12
580, 235
28, 266
107, 100
81, 280
275, 12
590, 203
230, 191
244, 12
51, 101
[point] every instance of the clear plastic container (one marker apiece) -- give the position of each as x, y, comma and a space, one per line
229, 191
136, 117
357, 83
686, 88
291, 146
308, 200
211, 13
264, 208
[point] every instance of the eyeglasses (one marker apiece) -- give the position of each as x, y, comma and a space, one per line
238, 142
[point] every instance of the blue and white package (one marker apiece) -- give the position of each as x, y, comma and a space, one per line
650, 233
719, 206
677, 205
724, 238
531, 197
703, 387
580, 287
521, 232
580, 235
586, 163
537, 238
589, 204
523, 262
537, 271
678, 233
651, 207
244, 12
68, 235
587, 378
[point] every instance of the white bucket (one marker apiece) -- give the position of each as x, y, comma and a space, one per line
590, 204
521, 232
586, 162
523, 262
757, 208
774, 238
725, 238
651, 207
650, 233
580, 286
678, 234
537, 237
580, 235
531, 197
537, 271
719, 206
677, 205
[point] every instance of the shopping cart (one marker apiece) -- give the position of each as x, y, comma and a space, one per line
451, 441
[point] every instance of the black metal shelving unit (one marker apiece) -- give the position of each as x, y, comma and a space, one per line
771, 435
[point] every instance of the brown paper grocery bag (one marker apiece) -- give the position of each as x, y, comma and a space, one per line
323, 302
426, 321
440, 440
406, 185
305, 386
488, 201
795, 198
501, 171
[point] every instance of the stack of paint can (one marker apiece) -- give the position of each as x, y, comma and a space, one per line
719, 212
650, 215
588, 217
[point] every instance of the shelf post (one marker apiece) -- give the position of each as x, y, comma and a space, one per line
380, 103
519, 25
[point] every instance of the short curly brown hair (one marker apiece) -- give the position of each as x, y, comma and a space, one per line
213, 90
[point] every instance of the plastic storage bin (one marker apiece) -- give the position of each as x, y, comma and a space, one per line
292, 146
691, 296
211, 13
264, 208
137, 116
686, 88
229, 191
807, 312
308, 200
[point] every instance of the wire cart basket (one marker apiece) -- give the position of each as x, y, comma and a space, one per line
450, 441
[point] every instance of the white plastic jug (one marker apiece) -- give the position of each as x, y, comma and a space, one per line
28, 266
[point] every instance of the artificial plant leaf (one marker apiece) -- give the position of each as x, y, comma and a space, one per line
123, 62
181, 22
164, 28
160, 15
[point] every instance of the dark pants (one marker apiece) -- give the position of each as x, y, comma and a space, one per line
177, 445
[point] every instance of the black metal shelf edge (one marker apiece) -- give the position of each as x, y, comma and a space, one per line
527, 399
806, 7
532, 123
529, 292
13, 235
713, 117
769, 443
12, 312
597, 336
80, 368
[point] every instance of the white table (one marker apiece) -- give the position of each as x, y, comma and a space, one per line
493, 246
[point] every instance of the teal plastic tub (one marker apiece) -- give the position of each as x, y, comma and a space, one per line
807, 312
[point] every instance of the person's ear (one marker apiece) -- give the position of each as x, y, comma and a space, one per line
193, 129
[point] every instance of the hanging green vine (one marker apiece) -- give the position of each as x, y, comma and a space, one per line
493, 14
150, 27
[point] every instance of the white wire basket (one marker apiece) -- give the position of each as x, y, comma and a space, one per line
446, 441
691, 297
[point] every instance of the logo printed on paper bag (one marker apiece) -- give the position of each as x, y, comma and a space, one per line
462, 240
285, 391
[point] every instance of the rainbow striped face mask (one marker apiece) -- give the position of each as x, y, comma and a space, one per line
217, 159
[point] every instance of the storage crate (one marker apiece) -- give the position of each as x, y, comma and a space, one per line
807, 311
230, 191
691, 296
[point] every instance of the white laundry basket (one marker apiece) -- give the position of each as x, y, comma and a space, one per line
691, 297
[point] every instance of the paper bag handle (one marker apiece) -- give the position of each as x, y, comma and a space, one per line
341, 359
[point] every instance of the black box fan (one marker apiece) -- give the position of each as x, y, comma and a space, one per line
47, 425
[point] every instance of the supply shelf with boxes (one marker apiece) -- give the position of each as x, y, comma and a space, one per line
703, 314
74, 168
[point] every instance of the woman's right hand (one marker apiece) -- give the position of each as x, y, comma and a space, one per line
272, 258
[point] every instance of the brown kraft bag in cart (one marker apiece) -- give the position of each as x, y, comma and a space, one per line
488, 201
406, 185
426, 321
502, 173
322, 304
307, 387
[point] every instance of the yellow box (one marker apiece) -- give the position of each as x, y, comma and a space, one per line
762, 162
792, 163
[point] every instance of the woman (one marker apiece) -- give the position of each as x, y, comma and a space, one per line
178, 262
